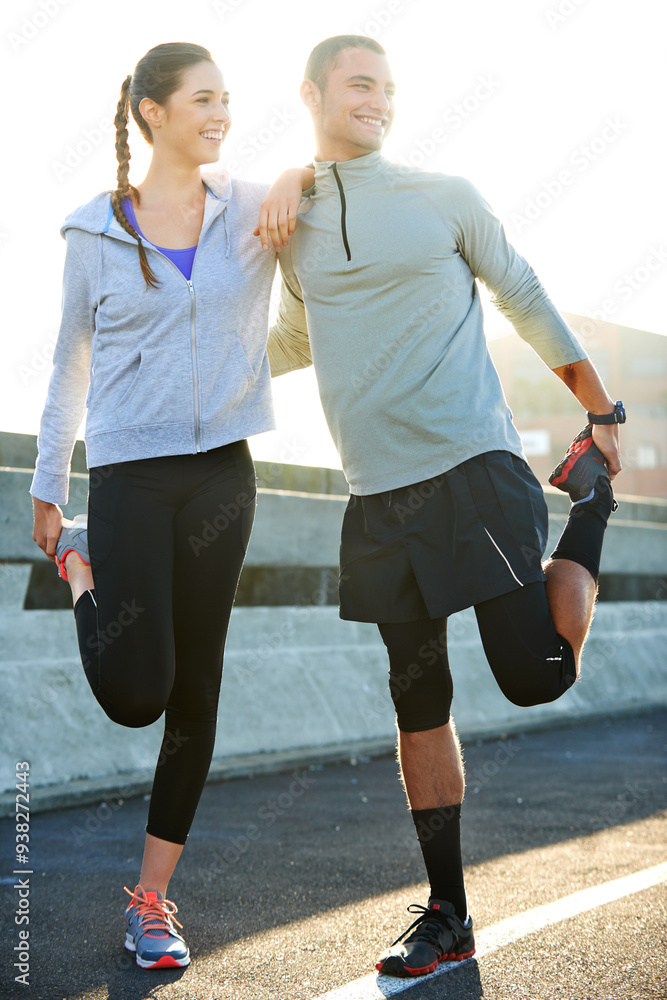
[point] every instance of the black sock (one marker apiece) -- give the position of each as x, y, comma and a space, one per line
439, 835
581, 540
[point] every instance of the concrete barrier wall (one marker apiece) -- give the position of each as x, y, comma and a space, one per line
298, 683
303, 529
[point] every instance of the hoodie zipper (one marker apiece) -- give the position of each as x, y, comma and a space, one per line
192, 317
191, 289
342, 211
194, 355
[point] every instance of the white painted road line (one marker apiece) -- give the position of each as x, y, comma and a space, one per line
508, 931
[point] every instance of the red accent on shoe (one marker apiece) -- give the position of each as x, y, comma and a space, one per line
413, 972
60, 563
166, 962
429, 968
575, 455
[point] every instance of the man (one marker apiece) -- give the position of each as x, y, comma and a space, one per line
444, 513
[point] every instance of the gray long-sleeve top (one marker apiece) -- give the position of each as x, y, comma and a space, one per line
383, 296
171, 370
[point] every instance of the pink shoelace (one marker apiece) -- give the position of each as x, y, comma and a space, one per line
154, 914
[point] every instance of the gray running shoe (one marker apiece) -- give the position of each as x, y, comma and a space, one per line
73, 538
150, 931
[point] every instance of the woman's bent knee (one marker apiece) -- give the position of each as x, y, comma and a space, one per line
134, 712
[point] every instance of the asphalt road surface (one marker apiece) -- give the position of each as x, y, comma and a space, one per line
291, 884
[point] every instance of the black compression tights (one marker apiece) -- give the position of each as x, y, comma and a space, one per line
167, 541
531, 662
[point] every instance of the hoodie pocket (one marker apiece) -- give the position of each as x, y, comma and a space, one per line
156, 393
225, 373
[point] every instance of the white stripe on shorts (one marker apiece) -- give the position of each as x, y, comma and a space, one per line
504, 557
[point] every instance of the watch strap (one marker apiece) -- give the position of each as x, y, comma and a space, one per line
617, 417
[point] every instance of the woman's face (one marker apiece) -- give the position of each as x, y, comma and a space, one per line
195, 120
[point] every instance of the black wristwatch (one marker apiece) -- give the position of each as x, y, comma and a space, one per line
617, 417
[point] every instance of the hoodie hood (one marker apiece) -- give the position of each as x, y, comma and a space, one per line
97, 217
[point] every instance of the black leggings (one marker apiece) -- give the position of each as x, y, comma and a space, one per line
167, 541
531, 662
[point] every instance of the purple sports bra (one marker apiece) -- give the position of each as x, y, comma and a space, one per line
183, 259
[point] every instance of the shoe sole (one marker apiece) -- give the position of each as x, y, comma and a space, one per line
166, 962
406, 972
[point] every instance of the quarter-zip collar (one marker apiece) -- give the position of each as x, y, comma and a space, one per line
333, 176
352, 173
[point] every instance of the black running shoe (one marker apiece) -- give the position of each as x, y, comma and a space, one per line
439, 936
583, 464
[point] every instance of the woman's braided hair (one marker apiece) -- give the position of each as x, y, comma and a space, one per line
156, 76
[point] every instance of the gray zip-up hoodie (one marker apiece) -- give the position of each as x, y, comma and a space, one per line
170, 370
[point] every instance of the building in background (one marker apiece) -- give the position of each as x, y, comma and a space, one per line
633, 364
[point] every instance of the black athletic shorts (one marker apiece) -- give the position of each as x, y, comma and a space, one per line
444, 544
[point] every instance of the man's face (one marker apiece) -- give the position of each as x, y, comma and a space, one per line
356, 109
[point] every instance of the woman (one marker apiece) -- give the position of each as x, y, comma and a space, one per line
164, 327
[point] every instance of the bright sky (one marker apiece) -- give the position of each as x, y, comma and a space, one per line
553, 108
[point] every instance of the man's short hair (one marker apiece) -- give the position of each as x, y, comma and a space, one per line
323, 56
